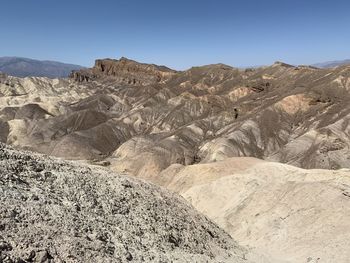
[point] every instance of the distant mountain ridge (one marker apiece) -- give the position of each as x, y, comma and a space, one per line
26, 67
332, 64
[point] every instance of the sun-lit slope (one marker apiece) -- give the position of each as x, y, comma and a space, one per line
215, 112
285, 213
297, 115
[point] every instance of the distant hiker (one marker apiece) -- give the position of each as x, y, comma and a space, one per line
236, 113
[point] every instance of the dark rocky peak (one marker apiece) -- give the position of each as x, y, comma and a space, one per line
212, 71
3, 76
212, 67
113, 66
282, 64
306, 67
125, 71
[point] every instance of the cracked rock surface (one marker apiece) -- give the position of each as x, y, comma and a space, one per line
56, 211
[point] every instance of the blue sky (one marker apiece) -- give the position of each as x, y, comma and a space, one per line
177, 33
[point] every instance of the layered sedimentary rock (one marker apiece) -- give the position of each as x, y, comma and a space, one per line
296, 115
124, 71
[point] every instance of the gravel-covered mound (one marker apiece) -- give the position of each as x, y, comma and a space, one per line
56, 211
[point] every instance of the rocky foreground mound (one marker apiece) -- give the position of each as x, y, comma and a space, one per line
55, 211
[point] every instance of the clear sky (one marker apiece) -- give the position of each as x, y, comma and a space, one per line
177, 33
